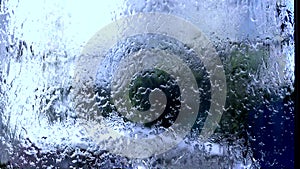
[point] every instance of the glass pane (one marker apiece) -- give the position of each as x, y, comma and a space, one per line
147, 84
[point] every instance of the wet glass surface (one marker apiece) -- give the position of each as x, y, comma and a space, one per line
147, 84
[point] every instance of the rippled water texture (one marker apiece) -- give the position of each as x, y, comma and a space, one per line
52, 113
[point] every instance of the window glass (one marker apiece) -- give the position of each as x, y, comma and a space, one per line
147, 84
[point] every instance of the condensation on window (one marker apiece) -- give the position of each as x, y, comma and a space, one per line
82, 86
